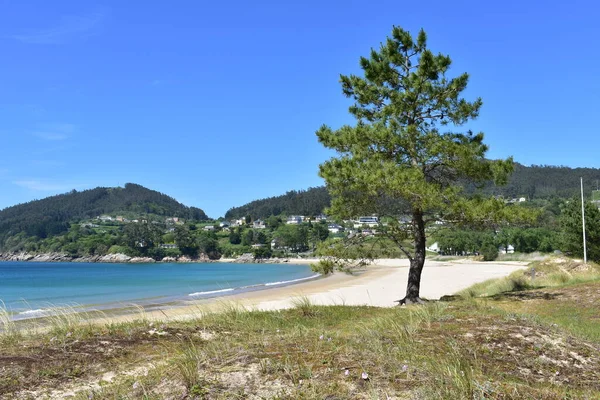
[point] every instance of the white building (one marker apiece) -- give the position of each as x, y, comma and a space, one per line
321, 217
335, 228
434, 247
259, 224
294, 220
508, 250
238, 222
368, 221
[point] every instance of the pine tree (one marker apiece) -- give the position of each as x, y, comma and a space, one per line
401, 157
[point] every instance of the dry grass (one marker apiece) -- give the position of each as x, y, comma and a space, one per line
552, 272
529, 344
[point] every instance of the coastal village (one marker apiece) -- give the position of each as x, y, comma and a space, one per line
364, 225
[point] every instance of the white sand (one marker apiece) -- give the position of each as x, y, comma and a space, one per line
386, 283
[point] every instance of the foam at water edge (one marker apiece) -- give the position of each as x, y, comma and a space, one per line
254, 286
211, 292
292, 281
33, 312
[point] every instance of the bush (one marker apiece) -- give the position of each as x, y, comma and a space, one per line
262, 252
172, 253
323, 267
157, 253
128, 251
489, 252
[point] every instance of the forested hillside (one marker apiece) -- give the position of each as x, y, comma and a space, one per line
53, 215
535, 182
301, 202
544, 181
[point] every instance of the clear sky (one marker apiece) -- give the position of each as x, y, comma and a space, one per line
217, 103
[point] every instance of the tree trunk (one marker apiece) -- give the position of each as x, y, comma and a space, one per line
417, 262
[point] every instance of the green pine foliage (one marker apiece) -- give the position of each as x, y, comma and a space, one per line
406, 154
572, 230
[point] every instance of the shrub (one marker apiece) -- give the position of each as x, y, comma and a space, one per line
261, 252
115, 249
324, 267
489, 252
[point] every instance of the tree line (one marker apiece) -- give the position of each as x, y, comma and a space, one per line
558, 228
302, 202
531, 182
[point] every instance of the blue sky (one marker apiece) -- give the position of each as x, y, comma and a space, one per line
217, 103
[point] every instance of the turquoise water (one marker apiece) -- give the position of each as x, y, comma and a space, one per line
28, 288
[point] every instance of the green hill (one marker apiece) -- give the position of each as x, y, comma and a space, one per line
545, 181
53, 215
301, 202
534, 182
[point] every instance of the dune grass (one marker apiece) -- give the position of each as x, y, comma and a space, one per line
9, 332
523, 343
552, 272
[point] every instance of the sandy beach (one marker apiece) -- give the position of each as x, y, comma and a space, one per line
384, 283
380, 284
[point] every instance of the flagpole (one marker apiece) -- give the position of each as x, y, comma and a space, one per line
583, 224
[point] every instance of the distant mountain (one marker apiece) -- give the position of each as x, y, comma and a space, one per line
534, 182
53, 215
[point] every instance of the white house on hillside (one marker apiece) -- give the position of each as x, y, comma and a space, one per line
259, 224
294, 220
238, 222
335, 228
368, 221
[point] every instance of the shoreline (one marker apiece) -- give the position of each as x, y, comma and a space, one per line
174, 296
120, 258
378, 285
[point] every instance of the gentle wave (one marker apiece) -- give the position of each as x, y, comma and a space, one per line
32, 312
292, 281
254, 286
211, 292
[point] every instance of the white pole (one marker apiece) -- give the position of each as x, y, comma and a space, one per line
583, 223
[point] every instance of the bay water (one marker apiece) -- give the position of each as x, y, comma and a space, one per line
29, 289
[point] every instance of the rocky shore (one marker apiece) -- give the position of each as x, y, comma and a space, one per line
109, 258
247, 258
